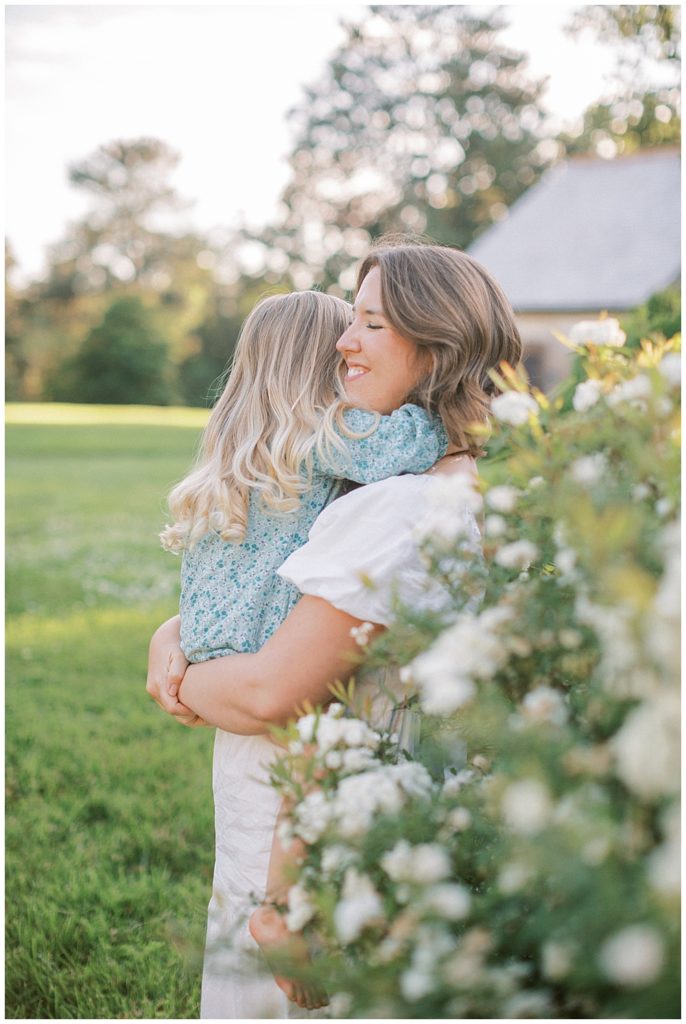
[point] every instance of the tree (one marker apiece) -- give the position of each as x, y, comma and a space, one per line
123, 361
124, 245
16, 361
659, 316
422, 122
627, 123
124, 236
641, 31
214, 339
640, 114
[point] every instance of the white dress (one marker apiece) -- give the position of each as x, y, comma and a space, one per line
361, 553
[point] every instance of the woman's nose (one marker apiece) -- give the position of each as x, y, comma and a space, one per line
347, 341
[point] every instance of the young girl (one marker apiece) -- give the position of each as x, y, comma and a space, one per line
278, 448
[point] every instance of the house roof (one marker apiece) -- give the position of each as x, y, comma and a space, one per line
591, 234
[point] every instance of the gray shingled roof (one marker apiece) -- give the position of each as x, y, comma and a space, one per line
591, 234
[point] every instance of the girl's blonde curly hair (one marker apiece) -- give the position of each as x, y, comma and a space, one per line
283, 400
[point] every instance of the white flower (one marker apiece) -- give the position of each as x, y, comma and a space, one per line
545, 705
416, 983
449, 498
469, 649
530, 1003
459, 818
300, 908
670, 368
517, 555
360, 906
535, 482
333, 731
495, 526
634, 956
454, 783
565, 561
598, 332
526, 806
423, 864
340, 1004
639, 492
357, 759
518, 645
383, 790
335, 858
285, 833
362, 633
513, 877
557, 959
663, 507
620, 656
663, 631
664, 864
306, 727
589, 469
450, 900
514, 408
586, 395
636, 391
312, 815
647, 747
502, 498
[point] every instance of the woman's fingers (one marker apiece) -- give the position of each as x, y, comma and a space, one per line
176, 671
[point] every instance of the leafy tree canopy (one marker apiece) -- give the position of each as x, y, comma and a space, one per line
123, 361
644, 110
422, 122
642, 30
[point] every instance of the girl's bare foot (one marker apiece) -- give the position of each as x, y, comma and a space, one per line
268, 929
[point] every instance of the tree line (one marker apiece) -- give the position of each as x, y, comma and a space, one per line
423, 122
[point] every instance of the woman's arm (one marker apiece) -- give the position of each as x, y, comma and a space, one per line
244, 693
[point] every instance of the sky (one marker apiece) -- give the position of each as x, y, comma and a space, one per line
214, 82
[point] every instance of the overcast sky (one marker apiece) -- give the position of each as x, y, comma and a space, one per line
215, 82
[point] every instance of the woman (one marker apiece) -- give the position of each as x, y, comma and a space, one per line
429, 323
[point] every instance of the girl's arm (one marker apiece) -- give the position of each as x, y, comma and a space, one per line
166, 668
245, 693
409, 440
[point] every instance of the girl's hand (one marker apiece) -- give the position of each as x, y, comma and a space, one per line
166, 669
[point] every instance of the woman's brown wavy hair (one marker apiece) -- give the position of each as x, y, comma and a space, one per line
449, 306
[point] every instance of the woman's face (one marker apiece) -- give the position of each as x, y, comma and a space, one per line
383, 367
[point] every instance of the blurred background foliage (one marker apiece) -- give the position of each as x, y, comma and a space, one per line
422, 122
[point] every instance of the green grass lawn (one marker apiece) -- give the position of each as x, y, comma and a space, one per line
109, 809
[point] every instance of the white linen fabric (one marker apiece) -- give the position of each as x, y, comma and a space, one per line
361, 553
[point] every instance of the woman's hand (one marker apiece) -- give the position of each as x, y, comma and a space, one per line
166, 668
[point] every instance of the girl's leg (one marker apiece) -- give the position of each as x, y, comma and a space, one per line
268, 924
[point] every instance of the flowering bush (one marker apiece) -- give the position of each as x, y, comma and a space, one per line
525, 863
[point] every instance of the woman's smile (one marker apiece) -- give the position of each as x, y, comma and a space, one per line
355, 370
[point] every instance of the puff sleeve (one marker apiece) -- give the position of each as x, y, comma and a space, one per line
362, 555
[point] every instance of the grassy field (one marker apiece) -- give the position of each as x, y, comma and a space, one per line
109, 810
